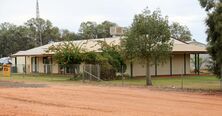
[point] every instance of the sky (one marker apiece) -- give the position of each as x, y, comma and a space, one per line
68, 14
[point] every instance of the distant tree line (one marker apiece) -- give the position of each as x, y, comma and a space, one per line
15, 38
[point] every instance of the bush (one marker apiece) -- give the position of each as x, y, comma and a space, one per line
107, 72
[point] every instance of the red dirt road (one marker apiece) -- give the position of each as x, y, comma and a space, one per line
86, 100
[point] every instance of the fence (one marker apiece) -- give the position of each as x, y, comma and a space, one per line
93, 72
108, 75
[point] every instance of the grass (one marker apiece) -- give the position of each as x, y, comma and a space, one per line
194, 82
38, 78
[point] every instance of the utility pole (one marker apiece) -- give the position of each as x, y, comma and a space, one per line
38, 23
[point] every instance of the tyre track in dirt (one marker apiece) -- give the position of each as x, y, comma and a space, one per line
52, 104
88, 100
184, 99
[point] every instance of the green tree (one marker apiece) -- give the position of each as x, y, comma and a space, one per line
113, 55
5, 35
103, 29
88, 30
23, 40
180, 32
43, 31
92, 30
67, 53
92, 58
14, 39
148, 39
68, 36
26, 36
214, 33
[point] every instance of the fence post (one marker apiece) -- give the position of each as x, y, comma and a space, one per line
74, 70
51, 67
98, 71
90, 70
83, 80
122, 75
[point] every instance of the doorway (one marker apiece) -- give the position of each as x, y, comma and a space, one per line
34, 61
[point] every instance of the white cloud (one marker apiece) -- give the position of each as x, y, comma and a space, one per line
190, 19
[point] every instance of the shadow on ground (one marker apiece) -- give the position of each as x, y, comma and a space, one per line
8, 84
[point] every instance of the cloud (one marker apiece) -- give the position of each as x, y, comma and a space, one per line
186, 20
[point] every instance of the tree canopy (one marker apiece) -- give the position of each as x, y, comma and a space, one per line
14, 38
69, 36
113, 55
88, 30
214, 33
45, 28
67, 53
148, 39
92, 30
180, 32
27, 36
103, 29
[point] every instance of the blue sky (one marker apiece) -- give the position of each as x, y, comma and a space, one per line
68, 14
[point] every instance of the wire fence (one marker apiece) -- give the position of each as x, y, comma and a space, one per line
94, 72
103, 74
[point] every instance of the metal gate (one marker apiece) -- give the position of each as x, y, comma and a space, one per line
91, 72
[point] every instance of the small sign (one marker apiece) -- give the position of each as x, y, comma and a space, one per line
7, 70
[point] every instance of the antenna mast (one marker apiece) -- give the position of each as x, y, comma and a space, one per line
37, 10
38, 23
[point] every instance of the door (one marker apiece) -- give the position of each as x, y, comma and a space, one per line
34, 65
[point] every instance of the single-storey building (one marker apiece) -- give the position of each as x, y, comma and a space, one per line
37, 60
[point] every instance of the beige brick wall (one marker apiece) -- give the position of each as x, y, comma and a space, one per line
139, 67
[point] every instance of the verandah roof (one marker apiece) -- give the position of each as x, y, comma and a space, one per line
92, 45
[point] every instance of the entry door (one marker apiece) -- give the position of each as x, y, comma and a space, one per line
34, 65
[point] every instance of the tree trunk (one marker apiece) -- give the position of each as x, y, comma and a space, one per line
148, 76
131, 69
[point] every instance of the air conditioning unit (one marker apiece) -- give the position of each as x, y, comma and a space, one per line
117, 31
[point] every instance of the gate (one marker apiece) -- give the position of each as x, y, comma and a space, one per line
91, 72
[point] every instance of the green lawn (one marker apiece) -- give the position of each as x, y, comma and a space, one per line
194, 82
38, 78
197, 82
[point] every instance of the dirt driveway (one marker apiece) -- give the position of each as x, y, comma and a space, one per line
21, 99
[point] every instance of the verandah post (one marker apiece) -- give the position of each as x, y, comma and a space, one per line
185, 63
195, 63
198, 64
